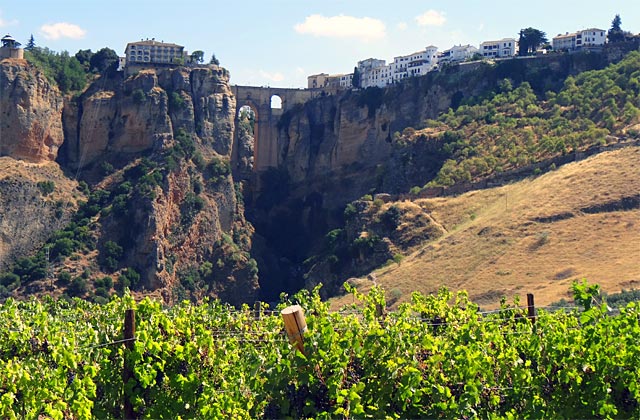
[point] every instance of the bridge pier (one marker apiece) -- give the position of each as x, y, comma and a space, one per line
265, 148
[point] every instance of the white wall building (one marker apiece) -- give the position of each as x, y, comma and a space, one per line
367, 69
416, 64
585, 38
457, 53
346, 80
151, 51
501, 48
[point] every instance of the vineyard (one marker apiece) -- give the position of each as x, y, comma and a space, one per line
438, 356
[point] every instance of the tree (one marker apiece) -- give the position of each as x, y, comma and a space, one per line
616, 34
84, 57
355, 81
31, 44
214, 60
530, 39
197, 57
103, 59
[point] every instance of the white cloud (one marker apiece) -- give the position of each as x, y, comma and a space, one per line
431, 18
62, 30
4, 22
403, 26
274, 77
341, 26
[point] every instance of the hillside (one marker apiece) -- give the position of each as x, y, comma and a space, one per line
534, 236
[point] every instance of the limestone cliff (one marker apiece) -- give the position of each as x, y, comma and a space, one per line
31, 110
154, 149
186, 216
35, 200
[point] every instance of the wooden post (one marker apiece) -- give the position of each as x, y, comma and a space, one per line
127, 373
531, 308
295, 325
257, 309
379, 311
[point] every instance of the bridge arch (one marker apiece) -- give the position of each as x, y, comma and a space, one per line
261, 101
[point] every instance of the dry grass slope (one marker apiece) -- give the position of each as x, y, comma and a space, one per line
534, 236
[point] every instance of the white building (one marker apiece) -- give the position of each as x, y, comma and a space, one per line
346, 80
585, 38
501, 48
366, 69
151, 51
416, 64
457, 53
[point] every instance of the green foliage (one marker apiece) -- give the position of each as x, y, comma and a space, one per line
197, 57
616, 34
46, 187
78, 287
129, 278
110, 255
31, 44
176, 101
9, 279
190, 207
530, 39
65, 71
350, 212
355, 81
103, 60
435, 357
106, 282
138, 96
106, 168
514, 128
391, 218
64, 277
217, 170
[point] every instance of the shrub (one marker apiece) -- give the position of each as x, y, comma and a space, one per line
111, 255
64, 278
129, 278
8, 279
350, 211
77, 288
46, 187
63, 247
139, 96
391, 218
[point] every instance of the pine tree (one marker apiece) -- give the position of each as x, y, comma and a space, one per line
355, 81
31, 44
616, 34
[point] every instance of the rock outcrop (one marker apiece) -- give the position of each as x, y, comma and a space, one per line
31, 110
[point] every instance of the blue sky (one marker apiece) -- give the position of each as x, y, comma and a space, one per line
281, 42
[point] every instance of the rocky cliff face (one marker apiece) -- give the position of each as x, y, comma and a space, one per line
35, 200
155, 150
31, 110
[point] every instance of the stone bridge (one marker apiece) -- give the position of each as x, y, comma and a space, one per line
268, 105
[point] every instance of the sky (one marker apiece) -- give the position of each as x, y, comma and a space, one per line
279, 43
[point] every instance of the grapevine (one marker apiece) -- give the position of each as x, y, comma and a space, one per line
435, 357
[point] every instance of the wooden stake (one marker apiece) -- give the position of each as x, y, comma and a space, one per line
127, 373
257, 309
295, 325
531, 308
